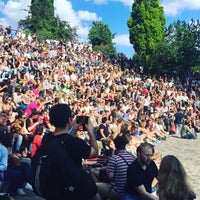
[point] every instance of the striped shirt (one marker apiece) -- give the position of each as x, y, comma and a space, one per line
118, 166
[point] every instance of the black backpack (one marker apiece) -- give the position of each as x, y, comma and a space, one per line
44, 174
48, 181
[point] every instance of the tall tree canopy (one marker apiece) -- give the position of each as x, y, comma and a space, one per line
41, 20
146, 26
180, 49
42, 9
101, 37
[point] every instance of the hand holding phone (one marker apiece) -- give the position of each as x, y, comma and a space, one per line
82, 120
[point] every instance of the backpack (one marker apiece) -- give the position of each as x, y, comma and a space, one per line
38, 176
50, 182
44, 174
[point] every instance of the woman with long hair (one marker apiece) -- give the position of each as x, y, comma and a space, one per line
173, 182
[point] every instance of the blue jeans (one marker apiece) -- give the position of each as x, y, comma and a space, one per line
178, 128
189, 136
17, 176
131, 197
18, 143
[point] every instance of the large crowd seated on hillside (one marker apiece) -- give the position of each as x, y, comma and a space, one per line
53, 72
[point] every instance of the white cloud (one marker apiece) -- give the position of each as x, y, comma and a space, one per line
171, 7
175, 7
13, 12
122, 40
85, 15
1, 4
101, 1
125, 2
16, 10
78, 19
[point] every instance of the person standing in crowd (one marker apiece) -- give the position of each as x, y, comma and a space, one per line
140, 175
116, 171
68, 160
178, 120
173, 181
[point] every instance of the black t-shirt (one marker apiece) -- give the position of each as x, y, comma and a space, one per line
6, 136
105, 129
136, 176
77, 148
67, 179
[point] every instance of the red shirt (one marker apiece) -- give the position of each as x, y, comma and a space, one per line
144, 91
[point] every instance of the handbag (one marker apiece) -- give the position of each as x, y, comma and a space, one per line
173, 129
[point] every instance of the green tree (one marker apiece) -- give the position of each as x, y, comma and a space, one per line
42, 9
41, 20
101, 37
146, 26
180, 49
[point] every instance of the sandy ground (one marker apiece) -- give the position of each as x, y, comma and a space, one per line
187, 151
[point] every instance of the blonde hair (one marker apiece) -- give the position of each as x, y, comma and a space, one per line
173, 182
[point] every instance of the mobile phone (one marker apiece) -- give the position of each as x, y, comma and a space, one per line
82, 120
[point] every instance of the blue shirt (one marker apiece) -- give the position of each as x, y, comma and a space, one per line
178, 118
3, 158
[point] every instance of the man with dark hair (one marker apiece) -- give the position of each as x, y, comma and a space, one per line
140, 175
67, 153
60, 116
116, 170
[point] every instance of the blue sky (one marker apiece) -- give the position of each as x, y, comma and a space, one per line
82, 13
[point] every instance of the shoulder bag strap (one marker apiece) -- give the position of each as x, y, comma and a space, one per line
123, 159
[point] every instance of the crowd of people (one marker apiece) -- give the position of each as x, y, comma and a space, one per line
116, 95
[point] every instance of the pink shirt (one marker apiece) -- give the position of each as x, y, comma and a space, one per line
32, 105
35, 91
